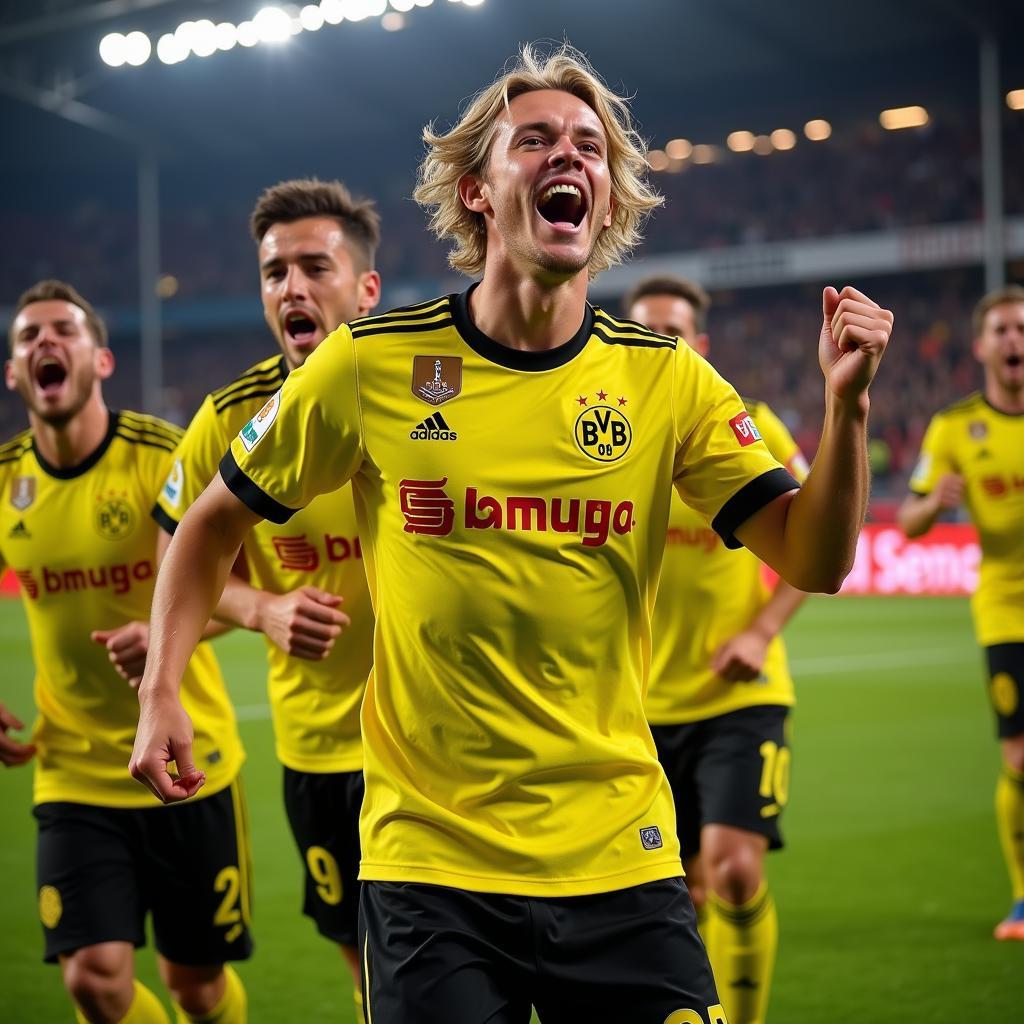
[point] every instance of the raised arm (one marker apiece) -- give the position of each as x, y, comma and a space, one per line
188, 587
809, 537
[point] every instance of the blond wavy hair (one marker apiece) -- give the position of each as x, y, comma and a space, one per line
466, 147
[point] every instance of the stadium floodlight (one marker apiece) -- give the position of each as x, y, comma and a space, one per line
392, 22
679, 149
272, 25
817, 130
403, 6
783, 138
424, 3
1015, 99
227, 35
704, 154
762, 145
472, 3
169, 50
137, 48
204, 38
740, 142
248, 34
311, 17
903, 117
333, 11
112, 50
657, 160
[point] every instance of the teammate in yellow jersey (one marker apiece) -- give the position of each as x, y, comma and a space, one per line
973, 452
74, 526
513, 451
316, 251
719, 698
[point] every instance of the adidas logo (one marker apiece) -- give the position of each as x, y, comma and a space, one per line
19, 529
983, 453
433, 428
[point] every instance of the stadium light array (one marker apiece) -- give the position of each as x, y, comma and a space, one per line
903, 117
270, 24
783, 138
679, 149
1015, 99
817, 130
740, 142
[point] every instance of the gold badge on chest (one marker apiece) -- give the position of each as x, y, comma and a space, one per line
23, 492
436, 379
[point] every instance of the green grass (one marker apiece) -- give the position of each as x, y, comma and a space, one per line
887, 891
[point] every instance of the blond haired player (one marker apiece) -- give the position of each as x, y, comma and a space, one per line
719, 699
75, 528
973, 452
518, 833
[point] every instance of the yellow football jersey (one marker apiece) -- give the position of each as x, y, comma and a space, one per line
314, 704
82, 546
986, 447
707, 595
512, 507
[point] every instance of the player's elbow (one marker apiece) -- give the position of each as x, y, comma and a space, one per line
819, 578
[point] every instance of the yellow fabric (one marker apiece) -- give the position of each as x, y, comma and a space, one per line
513, 574
986, 447
233, 1007
357, 996
707, 595
145, 1009
741, 943
314, 704
1010, 824
82, 545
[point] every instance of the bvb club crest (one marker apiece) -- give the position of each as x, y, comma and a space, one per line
23, 492
603, 433
114, 518
436, 379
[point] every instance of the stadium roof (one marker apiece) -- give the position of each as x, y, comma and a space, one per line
362, 94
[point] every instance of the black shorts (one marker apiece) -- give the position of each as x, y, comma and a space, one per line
729, 770
102, 869
433, 955
323, 811
1006, 687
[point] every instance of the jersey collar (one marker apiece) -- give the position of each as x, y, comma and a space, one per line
70, 472
514, 358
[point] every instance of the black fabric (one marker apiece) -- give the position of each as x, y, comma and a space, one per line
105, 868
751, 498
715, 768
1006, 687
323, 811
165, 522
436, 955
250, 493
70, 472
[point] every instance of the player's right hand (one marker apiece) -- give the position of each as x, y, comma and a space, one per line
165, 736
11, 751
303, 623
127, 647
948, 491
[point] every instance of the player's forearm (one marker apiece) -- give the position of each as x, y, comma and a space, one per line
917, 514
188, 585
825, 517
778, 610
240, 605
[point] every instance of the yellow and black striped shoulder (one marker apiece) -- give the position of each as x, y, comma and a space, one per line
16, 447
971, 405
613, 331
151, 431
433, 315
259, 381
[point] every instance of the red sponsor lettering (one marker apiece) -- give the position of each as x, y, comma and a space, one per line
427, 508
744, 428
118, 578
694, 537
296, 553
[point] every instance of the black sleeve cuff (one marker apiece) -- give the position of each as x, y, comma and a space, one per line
250, 494
751, 498
167, 524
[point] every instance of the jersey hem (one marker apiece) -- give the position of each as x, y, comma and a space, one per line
717, 711
519, 886
321, 765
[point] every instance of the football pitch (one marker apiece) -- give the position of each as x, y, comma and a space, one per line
887, 892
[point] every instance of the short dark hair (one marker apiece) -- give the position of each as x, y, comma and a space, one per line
679, 287
51, 289
289, 201
1008, 293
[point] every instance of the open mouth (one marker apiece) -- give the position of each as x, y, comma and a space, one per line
50, 375
1014, 360
562, 205
300, 328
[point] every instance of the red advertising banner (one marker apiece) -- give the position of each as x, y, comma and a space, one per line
8, 584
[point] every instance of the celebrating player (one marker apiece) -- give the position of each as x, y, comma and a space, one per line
973, 452
76, 532
719, 698
316, 250
512, 451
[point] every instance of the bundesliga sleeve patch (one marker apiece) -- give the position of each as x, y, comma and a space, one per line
172, 487
744, 428
254, 430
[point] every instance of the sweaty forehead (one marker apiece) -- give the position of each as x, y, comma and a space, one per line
560, 110
1005, 313
49, 311
309, 235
